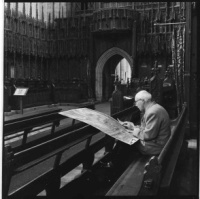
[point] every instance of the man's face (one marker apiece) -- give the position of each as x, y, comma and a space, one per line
139, 103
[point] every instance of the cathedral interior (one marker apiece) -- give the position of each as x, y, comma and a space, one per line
63, 54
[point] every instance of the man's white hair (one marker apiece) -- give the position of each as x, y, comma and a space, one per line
144, 95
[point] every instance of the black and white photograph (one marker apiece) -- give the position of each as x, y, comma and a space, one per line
100, 99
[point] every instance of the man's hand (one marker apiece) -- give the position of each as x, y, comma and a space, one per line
128, 125
120, 121
132, 133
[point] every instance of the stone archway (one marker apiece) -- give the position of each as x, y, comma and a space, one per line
100, 65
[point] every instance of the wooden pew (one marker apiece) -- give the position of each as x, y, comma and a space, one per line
27, 123
43, 163
19, 122
148, 175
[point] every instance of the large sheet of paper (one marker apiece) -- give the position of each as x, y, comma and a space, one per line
103, 122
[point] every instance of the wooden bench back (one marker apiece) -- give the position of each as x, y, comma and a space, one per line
176, 130
29, 122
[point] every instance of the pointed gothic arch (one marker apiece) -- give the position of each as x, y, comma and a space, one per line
100, 65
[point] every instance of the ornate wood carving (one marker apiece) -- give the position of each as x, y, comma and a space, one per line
151, 178
28, 39
113, 19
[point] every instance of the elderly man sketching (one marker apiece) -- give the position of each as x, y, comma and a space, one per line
154, 130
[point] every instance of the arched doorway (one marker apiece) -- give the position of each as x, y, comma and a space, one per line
109, 72
123, 71
116, 54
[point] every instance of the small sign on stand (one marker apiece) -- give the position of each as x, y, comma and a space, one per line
21, 92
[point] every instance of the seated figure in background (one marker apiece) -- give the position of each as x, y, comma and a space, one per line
154, 131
